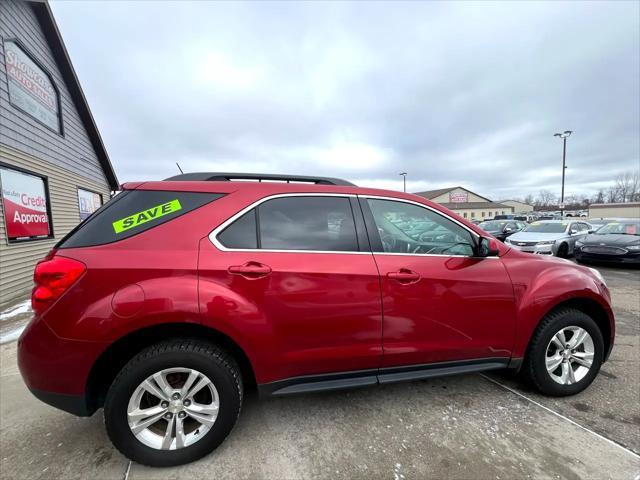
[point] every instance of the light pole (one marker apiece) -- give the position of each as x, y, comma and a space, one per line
404, 181
566, 134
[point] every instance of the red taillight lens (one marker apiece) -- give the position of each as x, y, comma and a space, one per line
52, 278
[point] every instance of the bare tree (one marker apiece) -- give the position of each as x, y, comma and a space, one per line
613, 194
528, 199
599, 198
546, 198
627, 186
571, 200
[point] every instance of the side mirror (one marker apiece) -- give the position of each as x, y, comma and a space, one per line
508, 230
487, 247
591, 231
573, 232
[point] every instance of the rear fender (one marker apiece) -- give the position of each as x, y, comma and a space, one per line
94, 311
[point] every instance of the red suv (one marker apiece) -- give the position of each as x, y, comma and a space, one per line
177, 295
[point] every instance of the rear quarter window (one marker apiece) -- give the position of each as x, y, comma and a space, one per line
131, 213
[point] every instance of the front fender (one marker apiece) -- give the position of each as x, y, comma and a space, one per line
555, 282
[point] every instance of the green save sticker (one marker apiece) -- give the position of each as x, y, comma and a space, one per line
147, 215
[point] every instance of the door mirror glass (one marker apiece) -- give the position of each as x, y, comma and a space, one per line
487, 247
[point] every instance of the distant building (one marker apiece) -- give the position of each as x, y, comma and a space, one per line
466, 203
614, 210
54, 169
518, 207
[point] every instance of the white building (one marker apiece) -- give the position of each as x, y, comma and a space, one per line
614, 210
518, 207
466, 203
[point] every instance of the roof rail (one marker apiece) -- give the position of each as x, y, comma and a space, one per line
227, 177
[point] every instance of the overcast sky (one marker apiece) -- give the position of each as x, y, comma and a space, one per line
452, 93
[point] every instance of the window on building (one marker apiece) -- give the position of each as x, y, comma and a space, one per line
465, 214
30, 86
88, 202
482, 214
25, 198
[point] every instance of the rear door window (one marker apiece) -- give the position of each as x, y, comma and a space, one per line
313, 223
307, 223
132, 212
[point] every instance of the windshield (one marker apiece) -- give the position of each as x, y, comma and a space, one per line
492, 226
625, 228
544, 227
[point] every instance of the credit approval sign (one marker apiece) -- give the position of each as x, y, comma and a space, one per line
25, 205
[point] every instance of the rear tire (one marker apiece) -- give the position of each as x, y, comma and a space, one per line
570, 375
172, 363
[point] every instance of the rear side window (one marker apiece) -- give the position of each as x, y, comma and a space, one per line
242, 233
295, 223
133, 212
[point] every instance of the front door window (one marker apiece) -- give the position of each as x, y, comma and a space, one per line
409, 228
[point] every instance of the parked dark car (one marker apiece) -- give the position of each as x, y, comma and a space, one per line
596, 224
615, 242
501, 229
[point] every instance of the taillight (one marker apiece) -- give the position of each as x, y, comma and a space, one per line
52, 278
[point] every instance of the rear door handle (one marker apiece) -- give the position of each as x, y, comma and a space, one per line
404, 276
250, 270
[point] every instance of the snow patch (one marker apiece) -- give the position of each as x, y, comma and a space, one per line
12, 335
19, 309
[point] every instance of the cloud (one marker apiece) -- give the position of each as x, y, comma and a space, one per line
466, 93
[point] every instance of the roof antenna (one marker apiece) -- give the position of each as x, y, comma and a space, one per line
178, 165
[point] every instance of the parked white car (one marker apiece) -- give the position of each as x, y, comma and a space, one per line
550, 237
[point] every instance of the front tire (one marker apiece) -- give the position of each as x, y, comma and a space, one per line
565, 353
563, 251
173, 403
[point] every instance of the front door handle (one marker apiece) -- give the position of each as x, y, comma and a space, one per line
404, 276
251, 270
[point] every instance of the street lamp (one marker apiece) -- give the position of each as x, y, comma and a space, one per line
404, 181
566, 134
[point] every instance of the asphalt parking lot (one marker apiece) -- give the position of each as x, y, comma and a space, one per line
471, 426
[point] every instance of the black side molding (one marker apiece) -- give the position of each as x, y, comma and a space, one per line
319, 383
440, 369
363, 378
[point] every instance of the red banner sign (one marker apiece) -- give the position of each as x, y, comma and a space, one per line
458, 197
25, 205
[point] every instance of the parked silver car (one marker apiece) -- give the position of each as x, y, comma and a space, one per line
550, 237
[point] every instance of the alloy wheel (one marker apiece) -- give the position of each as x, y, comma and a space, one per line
569, 355
173, 408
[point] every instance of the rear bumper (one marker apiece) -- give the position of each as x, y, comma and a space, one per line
74, 404
56, 369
